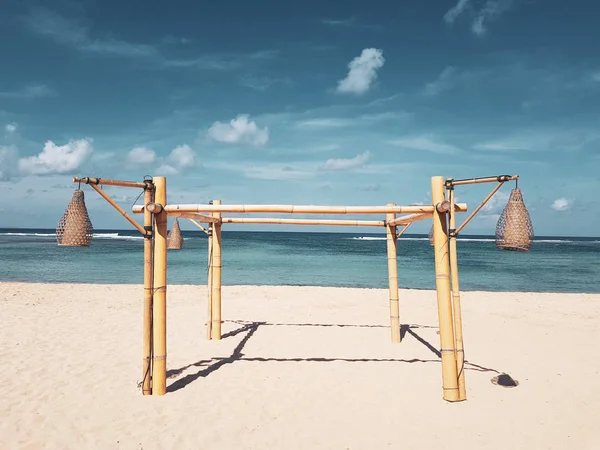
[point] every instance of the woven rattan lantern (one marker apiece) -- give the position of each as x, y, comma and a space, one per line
74, 227
174, 238
431, 236
514, 230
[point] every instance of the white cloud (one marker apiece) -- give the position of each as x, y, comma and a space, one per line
166, 169
444, 81
239, 131
10, 128
561, 204
182, 157
57, 159
363, 72
496, 204
347, 164
141, 155
425, 143
9, 156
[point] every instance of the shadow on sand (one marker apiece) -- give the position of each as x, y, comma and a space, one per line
209, 366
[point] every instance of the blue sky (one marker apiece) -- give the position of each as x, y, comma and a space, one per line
346, 103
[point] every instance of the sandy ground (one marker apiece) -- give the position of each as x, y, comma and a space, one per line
298, 368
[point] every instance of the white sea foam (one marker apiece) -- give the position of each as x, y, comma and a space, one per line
95, 236
544, 241
369, 238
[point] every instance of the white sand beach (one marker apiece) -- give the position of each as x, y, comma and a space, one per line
297, 368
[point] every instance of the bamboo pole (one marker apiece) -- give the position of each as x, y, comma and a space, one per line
96, 181
301, 209
406, 227
490, 195
199, 226
216, 277
393, 277
276, 221
500, 178
118, 208
442, 281
458, 333
197, 216
159, 312
148, 295
404, 220
210, 275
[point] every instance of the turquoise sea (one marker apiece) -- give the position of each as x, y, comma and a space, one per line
554, 264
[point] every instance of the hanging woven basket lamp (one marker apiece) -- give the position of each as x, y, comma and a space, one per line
174, 238
514, 230
74, 227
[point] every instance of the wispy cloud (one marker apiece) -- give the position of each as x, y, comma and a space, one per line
443, 82
480, 13
29, 92
361, 120
9, 156
349, 22
347, 163
77, 34
540, 140
425, 143
340, 22
453, 13
362, 72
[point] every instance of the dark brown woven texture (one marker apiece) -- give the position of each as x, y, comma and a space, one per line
514, 230
174, 238
74, 227
431, 236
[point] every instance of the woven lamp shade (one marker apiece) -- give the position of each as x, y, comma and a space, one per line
174, 238
514, 230
74, 227
431, 236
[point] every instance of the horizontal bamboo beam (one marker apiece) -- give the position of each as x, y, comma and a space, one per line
118, 208
276, 221
403, 220
302, 209
95, 181
198, 217
500, 178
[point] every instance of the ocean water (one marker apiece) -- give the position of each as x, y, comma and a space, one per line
299, 258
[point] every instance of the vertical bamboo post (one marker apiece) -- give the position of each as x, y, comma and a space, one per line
210, 275
442, 282
393, 277
216, 277
458, 334
148, 295
159, 312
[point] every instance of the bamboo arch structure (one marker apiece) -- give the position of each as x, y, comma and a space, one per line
209, 217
